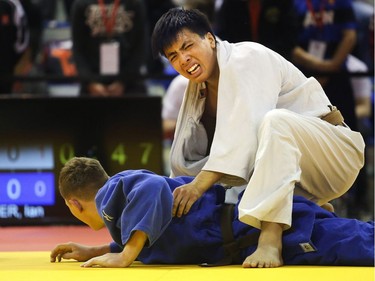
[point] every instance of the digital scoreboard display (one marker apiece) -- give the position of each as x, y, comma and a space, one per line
39, 135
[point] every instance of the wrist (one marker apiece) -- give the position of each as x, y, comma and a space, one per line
101, 250
199, 187
205, 179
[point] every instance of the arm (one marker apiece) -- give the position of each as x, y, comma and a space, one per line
77, 252
97, 89
114, 89
303, 58
124, 259
343, 50
186, 195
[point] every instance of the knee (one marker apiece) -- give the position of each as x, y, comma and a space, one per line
277, 118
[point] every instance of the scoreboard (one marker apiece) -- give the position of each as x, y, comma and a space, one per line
39, 135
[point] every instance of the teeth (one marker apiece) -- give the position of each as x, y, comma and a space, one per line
194, 67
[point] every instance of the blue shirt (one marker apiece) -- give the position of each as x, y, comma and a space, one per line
337, 16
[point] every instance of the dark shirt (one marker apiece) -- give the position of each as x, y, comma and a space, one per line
89, 32
277, 25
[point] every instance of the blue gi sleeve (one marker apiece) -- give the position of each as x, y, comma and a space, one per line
148, 208
137, 200
115, 248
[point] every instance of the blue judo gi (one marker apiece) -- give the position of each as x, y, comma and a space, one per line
141, 200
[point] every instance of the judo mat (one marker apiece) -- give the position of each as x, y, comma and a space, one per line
24, 255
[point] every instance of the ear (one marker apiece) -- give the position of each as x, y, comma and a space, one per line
211, 38
76, 204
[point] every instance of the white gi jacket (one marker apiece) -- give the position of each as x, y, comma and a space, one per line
254, 80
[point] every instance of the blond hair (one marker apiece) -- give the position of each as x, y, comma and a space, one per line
81, 177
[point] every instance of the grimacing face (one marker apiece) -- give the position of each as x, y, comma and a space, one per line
192, 56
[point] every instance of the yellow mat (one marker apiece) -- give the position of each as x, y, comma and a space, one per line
30, 266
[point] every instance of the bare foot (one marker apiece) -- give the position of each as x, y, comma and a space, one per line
268, 252
329, 207
266, 256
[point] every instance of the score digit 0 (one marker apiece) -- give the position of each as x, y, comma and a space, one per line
66, 153
13, 153
14, 189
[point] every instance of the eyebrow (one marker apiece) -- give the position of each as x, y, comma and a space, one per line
183, 46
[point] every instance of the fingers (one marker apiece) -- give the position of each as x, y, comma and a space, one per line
180, 207
61, 251
89, 263
100, 261
182, 202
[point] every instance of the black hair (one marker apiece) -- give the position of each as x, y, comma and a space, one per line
173, 22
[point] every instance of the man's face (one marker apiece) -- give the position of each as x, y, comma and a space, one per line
192, 56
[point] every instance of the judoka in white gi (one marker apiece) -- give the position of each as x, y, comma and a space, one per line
251, 118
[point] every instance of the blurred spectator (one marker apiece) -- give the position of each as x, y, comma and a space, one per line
109, 40
327, 36
155, 9
14, 39
272, 23
27, 64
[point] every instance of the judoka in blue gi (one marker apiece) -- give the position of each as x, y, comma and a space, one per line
136, 207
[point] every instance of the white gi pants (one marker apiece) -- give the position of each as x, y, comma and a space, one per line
322, 158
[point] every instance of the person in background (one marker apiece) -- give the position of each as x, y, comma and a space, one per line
327, 38
250, 118
109, 46
14, 38
272, 23
136, 208
155, 8
327, 35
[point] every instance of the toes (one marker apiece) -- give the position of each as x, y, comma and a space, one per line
249, 264
260, 264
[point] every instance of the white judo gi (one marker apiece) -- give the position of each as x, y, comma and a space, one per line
268, 136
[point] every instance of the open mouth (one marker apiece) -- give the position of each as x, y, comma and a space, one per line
193, 69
